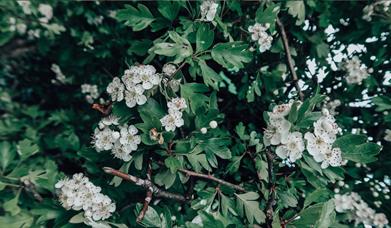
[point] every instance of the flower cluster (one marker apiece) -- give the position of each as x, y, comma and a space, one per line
17, 26
79, 193
332, 106
356, 72
259, 34
133, 85
377, 7
290, 145
91, 92
174, 117
208, 10
46, 12
360, 211
121, 140
60, 77
319, 143
387, 137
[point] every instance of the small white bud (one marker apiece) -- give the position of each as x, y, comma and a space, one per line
204, 130
375, 194
213, 124
325, 112
173, 218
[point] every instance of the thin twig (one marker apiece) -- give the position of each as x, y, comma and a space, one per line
147, 184
271, 186
289, 59
148, 196
212, 178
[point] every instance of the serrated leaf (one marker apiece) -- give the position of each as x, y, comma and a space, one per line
138, 18
172, 163
355, 148
210, 76
26, 148
248, 206
7, 154
204, 37
297, 10
231, 55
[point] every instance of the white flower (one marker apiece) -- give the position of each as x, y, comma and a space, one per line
343, 203
259, 34
25, 6
387, 137
105, 139
380, 220
47, 11
204, 130
281, 110
79, 193
208, 10
333, 157
169, 69
129, 138
277, 130
326, 128
110, 120
135, 96
176, 104
356, 72
197, 220
172, 120
146, 75
368, 12
116, 90
213, 124
292, 147
316, 146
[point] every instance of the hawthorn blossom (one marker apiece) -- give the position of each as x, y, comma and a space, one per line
91, 92
177, 104
208, 10
120, 152
169, 69
129, 138
47, 11
333, 157
276, 131
316, 146
356, 72
291, 148
259, 34
108, 121
326, 128
59, 75
78, 193
172, 120
359, 210
146, 75
116, 90
135, 96
105, 139
213, 124
387, 137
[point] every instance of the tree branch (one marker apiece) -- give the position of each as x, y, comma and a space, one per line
148, 196
147, 184
271, 185
212, 178
289, 59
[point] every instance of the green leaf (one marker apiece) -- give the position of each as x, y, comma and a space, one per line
383, 103
194, 95
7, 154
151, 113
296, 9
327, 216
26, 148
248, 205
169, 9
317, 196
217, 146
181, 48
138, 18
198, 161
355, 148
151, 218
204, 37
165, 178
172, 163
11, 206
78, 218
268, 15
211, 78
231, 55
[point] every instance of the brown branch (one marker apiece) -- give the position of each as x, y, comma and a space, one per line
148, 196
212, 178
30, 187
147, 184
289, 59
271, 186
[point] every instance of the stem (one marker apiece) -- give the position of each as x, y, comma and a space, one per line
148, 196
212, 178
147, 184
272, 194
289, 59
